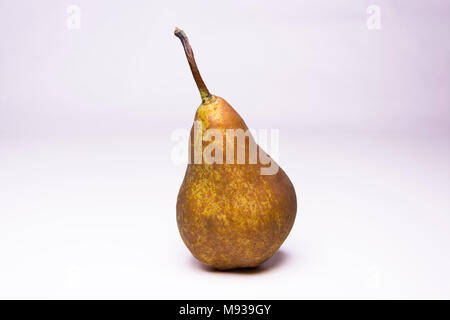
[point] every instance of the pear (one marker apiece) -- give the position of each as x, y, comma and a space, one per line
231, 213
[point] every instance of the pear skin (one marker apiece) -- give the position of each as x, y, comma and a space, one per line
229, 214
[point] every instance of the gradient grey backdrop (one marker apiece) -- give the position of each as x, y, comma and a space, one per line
88, 189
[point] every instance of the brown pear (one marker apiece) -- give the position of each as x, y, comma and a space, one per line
235, 206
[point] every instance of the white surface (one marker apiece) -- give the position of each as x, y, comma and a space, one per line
97, 220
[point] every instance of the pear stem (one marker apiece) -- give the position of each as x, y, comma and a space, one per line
204, 92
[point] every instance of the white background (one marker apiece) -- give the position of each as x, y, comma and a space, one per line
88, 187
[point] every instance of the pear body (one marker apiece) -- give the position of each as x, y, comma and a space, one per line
230, 215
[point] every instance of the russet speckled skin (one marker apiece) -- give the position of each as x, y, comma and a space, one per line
229, 215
